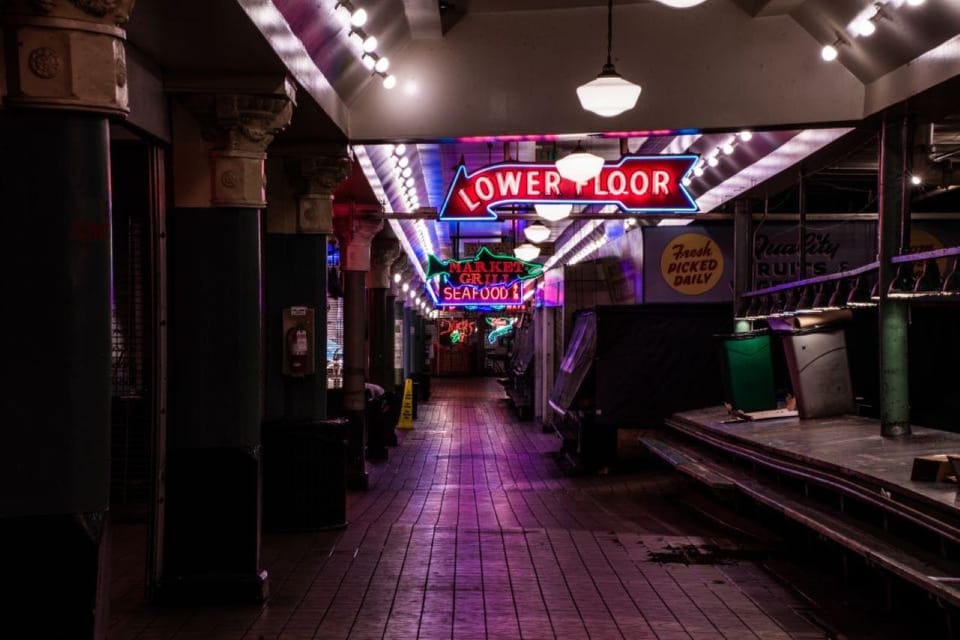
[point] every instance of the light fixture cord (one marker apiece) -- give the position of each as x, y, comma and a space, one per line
609, 33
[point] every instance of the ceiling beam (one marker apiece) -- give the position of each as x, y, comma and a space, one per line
423, 16
765, 8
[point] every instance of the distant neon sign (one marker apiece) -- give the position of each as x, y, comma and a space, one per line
499, 327
485, 279
634, 184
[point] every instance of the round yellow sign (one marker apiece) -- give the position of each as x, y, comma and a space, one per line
691, 264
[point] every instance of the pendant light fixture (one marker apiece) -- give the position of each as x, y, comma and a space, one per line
681, 4
536, 233
526, 252
580, 166
609, 94
553, 212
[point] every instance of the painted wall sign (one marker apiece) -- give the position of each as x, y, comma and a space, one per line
485, 279
691, 264
635, 184
830, 247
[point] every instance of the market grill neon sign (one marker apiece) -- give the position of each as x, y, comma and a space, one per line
634, 184
485, 279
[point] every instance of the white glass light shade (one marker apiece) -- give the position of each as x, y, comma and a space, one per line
359, 18
370, 44
390, 82
608, 94
865, 28
396, 278
526, 252
536, 233
681, 4
553, 212
382, 65
369, 62
580, 166
829, 53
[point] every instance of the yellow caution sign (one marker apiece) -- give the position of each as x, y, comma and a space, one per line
406, 408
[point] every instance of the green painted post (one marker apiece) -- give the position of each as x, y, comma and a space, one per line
894, 314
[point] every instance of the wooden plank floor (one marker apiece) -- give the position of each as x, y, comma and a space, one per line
849, 445
472, 530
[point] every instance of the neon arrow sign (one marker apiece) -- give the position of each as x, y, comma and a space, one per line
485, 279
635, 184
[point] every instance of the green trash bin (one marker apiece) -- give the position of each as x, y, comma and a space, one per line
748, 371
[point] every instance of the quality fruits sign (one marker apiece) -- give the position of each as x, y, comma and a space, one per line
485, 279
634, 184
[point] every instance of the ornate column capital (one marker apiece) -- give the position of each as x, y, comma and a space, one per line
67, 54
320, 173
355, 234
383, 252
240, 126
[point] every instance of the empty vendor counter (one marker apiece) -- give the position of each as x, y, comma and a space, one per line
630, 367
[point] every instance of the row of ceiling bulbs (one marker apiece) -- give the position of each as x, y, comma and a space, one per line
403, 175
415, 299
712, 159
864, 25
356, 18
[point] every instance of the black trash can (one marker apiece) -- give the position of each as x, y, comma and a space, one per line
819, 371
304, 481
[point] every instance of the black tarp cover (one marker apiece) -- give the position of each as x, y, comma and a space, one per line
657, 359
576, 361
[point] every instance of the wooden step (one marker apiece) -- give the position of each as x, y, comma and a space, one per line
928, 571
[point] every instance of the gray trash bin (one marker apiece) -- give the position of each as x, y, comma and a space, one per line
819, 372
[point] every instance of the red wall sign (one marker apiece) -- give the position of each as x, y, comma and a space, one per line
485, 279
635, 184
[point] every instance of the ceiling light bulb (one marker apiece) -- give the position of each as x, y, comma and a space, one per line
343, 14
727, 148
536, 233
407, 172
396, 278
369, 62
553, 212
526, 252
400, 149
829, 53
356, 39
915, 3
916, 181
864, 27
390, 82
406, 287
713, 161
698, 171
409, 182
746, 136
580, 166
370, 44
687, 182
403, 162
382, 65
359, 18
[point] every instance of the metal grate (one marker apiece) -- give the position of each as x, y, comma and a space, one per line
127, 315
334, 320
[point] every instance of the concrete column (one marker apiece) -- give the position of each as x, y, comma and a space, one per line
355, 234
211, 541
299, 221
894, 229
384, 250
65, 73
